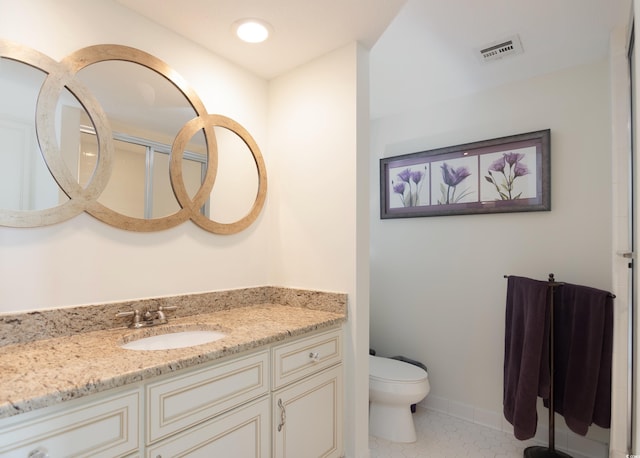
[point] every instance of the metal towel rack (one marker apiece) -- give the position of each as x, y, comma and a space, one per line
550, 451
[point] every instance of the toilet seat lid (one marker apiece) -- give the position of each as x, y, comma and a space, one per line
394, 370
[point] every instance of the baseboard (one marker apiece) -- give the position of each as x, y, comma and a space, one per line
565, 440
618, 454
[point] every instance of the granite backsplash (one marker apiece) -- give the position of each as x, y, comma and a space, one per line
21, 327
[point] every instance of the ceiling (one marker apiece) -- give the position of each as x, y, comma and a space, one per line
441, 39
422, 51
303, 29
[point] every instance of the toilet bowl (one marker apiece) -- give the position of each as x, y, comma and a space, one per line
393, 386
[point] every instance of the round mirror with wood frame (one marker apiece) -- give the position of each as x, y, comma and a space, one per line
71, 108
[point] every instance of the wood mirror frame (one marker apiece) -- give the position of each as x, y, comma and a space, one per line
62, 76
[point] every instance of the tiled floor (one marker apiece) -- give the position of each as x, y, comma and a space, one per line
443, 436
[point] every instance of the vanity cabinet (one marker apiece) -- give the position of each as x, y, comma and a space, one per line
103, 425
280, 401
307, 399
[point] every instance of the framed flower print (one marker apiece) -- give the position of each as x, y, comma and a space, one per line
507, 174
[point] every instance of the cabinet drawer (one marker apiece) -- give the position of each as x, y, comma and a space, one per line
100, 428
295, 360
182, 401
242, 433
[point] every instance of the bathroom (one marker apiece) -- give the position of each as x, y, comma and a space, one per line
84, 261
446, 306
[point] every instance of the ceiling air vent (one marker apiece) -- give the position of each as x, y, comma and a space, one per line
501, 49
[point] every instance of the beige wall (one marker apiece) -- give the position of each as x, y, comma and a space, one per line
312, 127
320, 162
85, 261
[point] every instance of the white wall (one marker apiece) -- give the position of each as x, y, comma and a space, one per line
437, 286
320, 153
85, 261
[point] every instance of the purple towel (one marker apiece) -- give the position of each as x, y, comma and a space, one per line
583, 333
526, 353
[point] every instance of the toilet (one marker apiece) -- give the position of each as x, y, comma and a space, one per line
393, 387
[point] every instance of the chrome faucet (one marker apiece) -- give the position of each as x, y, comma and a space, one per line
146, 317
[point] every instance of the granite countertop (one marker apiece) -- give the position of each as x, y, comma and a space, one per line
45, 372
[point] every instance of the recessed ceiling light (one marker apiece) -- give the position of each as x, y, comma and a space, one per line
252, 30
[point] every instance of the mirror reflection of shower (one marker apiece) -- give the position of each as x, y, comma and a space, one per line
139, 185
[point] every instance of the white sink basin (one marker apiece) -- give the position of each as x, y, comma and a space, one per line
174, 340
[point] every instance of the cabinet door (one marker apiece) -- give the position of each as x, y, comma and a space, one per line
104, 426
242, 433
181, 401
307, 417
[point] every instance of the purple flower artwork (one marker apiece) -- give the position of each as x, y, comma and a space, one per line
451, 178
408, 185
499, 175
503, 172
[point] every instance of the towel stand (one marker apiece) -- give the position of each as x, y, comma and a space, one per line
550, 451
